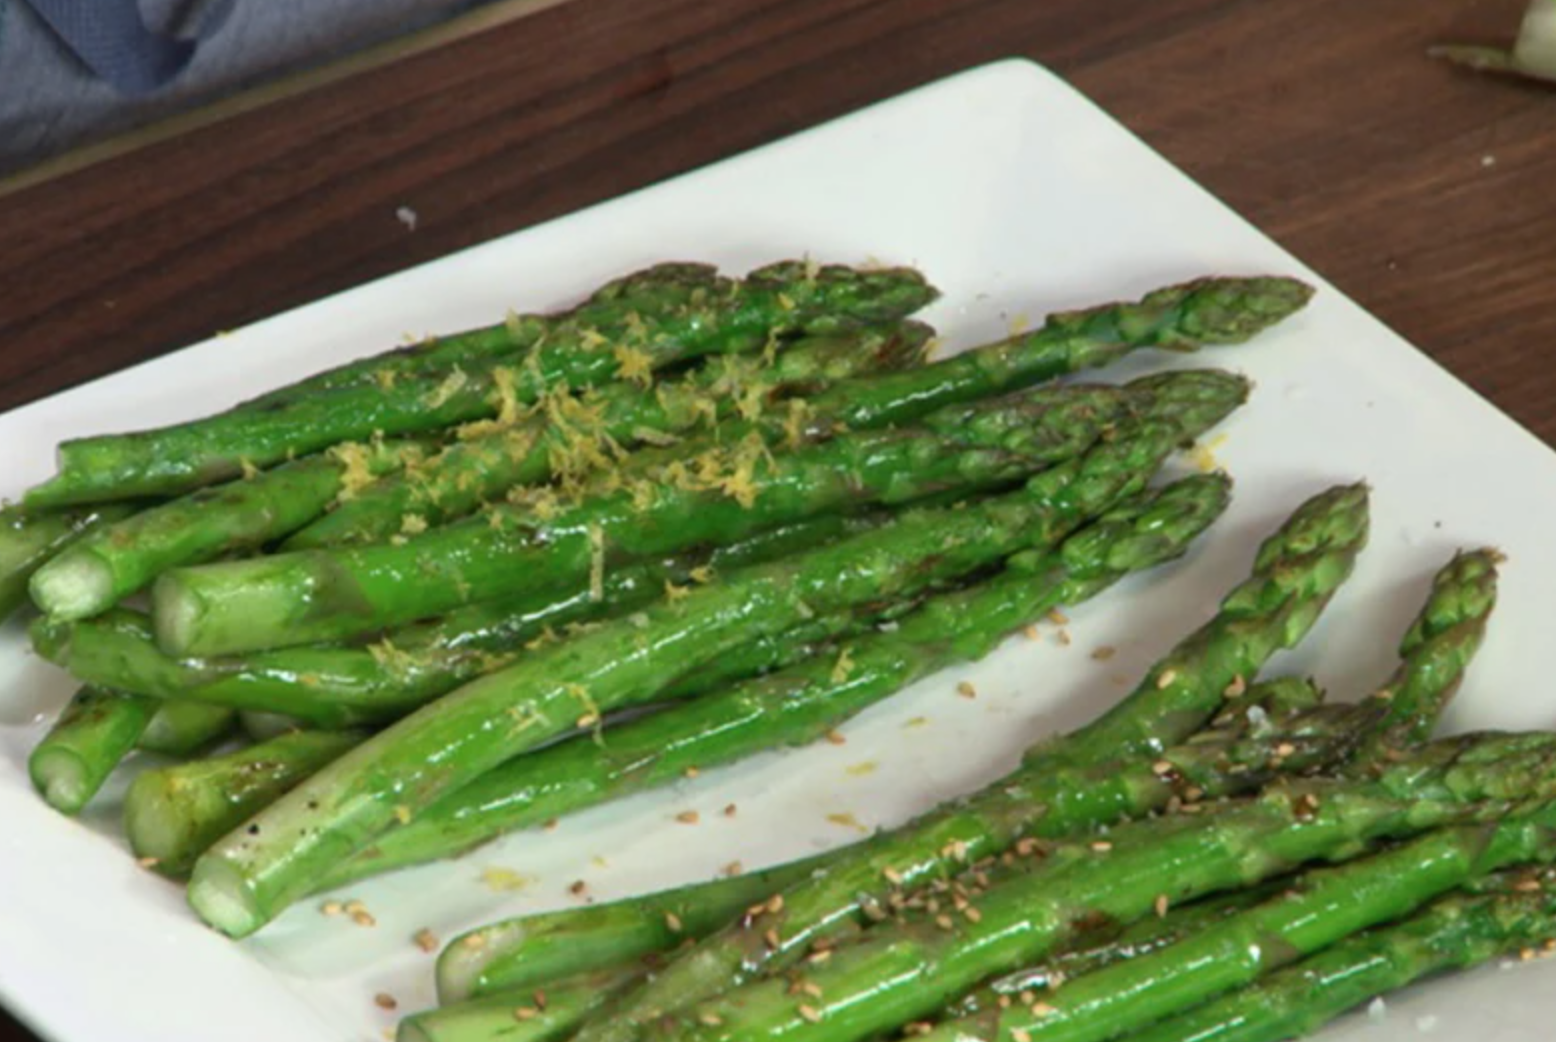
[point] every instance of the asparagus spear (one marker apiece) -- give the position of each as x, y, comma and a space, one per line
117, 559
705, 315
254, 872
85, 744
1295, 572
1434, 653
342, 687
574, 436
1458, 931
30, 538
801, 704
331, 594
899, 974
657, 289
172, 814
1326, 907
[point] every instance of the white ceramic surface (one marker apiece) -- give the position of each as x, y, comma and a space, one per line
1017, 196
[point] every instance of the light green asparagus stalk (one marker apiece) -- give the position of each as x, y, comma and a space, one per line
572, 437
701, 314
253, 873
741, 489
1295, 573
534, 1015
342, 687
30, 538
1455, 932
115, 560
900, 974
85, 744
801, 704
173, 814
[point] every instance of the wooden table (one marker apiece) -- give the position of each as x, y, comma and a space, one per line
1422, 192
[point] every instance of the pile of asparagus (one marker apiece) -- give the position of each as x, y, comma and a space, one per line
392, 611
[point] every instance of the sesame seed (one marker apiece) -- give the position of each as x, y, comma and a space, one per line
1031, 633
972, 914
1161, 767
1026, 846
811, 1013
1064, 638
363, 919
578, 888
384, 1000
771, 939
673, 921
713, 1020
734, 868
426, 940
1004, 1002
526, 1013
688, 817
551, 824
1165, 678
1028, 997
1102, 846
474, 940
540, 999
1285, 749
1104, 653
1236, 688
944, 922
819, 956
588, 720
812, 989
331, 908
836, 738
1057, 617
892, 875
353, 907
402, 814
1043, 1009
691, 772
1021, 1036
1161, 905
918, 1027
730, 810
775, 904
966, 690
148, 862
1528, 886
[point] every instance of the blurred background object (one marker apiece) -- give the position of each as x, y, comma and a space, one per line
1532, 56
71, 73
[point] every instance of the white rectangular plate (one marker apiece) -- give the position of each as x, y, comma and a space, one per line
1017, 196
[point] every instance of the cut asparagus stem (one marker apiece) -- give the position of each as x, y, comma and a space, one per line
334, 594
256, 871
118, 559
173, 814
535, 1015
708, 315
85, 744
184, 728
28, 539
1295, 573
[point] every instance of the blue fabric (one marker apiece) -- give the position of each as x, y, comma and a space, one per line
112, 39
52, 100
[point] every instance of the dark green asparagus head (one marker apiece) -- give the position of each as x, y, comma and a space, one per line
1437, 649
828, 297
1194, 400
1145, 531
1227, 310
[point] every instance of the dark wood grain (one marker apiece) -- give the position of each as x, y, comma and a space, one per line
1422, 192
